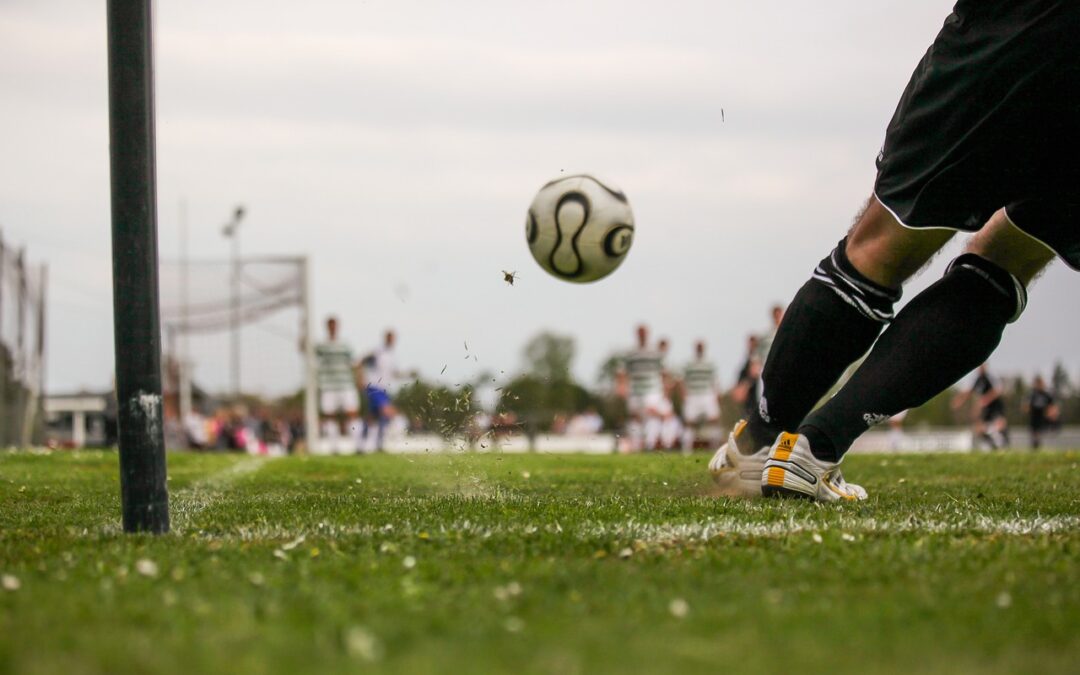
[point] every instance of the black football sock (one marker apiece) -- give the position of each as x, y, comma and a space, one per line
943, 333
832, 321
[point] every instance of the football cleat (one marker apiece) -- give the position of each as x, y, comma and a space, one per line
735, 472
792, 471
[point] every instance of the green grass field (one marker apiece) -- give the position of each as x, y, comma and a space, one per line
539, 564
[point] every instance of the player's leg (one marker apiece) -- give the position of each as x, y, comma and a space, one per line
1001, 425
978, 432
350, 412
1036, 434
836, 316
941, 335
654, 424
329, 424
832, 321
355, 430
385, 413
635, 427
693, 420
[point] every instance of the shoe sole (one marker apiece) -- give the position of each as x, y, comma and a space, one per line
731, 483
782, 481
777, 492
785, 483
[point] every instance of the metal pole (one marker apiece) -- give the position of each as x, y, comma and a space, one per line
311, 412
21, 361
232, 230
35, 379
42, 319
136, 320
4, 362
234, 319
185, 375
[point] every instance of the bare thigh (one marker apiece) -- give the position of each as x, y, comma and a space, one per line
1005, 245
885, 251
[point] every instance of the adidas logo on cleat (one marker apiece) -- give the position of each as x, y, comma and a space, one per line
873, 419
792, 471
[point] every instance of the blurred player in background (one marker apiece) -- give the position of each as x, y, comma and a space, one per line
764, 343
896, 430
990, 423
748, 382
1042, 411
670, 425
380, 375
701, 398
985, 139
336, 379
640, 379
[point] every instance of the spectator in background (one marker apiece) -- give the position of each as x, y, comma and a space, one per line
747, 387
1042, 411
587, 423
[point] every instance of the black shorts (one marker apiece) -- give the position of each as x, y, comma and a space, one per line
992, 412
991, 119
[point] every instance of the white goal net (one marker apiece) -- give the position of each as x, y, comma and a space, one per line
22, 346
236, 330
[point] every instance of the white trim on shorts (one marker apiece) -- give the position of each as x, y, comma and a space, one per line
904, 225
1004, 210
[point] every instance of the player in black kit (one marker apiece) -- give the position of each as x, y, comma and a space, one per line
985, 139
1042, 411
990, 422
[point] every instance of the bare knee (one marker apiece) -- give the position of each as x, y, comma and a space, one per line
885, 251
1005, 245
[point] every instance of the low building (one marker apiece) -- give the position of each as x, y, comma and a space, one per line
81, 419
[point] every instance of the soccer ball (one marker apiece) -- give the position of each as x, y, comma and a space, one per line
579, 228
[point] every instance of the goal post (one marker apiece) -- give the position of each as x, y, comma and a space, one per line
136, 321
200, 306
22, 346
311, 409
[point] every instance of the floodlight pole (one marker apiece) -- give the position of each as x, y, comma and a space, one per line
185, 376
232, 231
136, 321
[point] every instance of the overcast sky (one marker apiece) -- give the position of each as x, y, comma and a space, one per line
399, 142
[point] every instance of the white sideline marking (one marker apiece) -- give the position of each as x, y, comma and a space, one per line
671, 533
189, 502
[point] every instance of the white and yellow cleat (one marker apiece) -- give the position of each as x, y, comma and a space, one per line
792, 471
736, 473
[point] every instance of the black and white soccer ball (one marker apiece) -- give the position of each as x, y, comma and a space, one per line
579, 228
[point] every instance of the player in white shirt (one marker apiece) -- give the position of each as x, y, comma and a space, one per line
380, 373
701, 396
336, 378
640, 381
